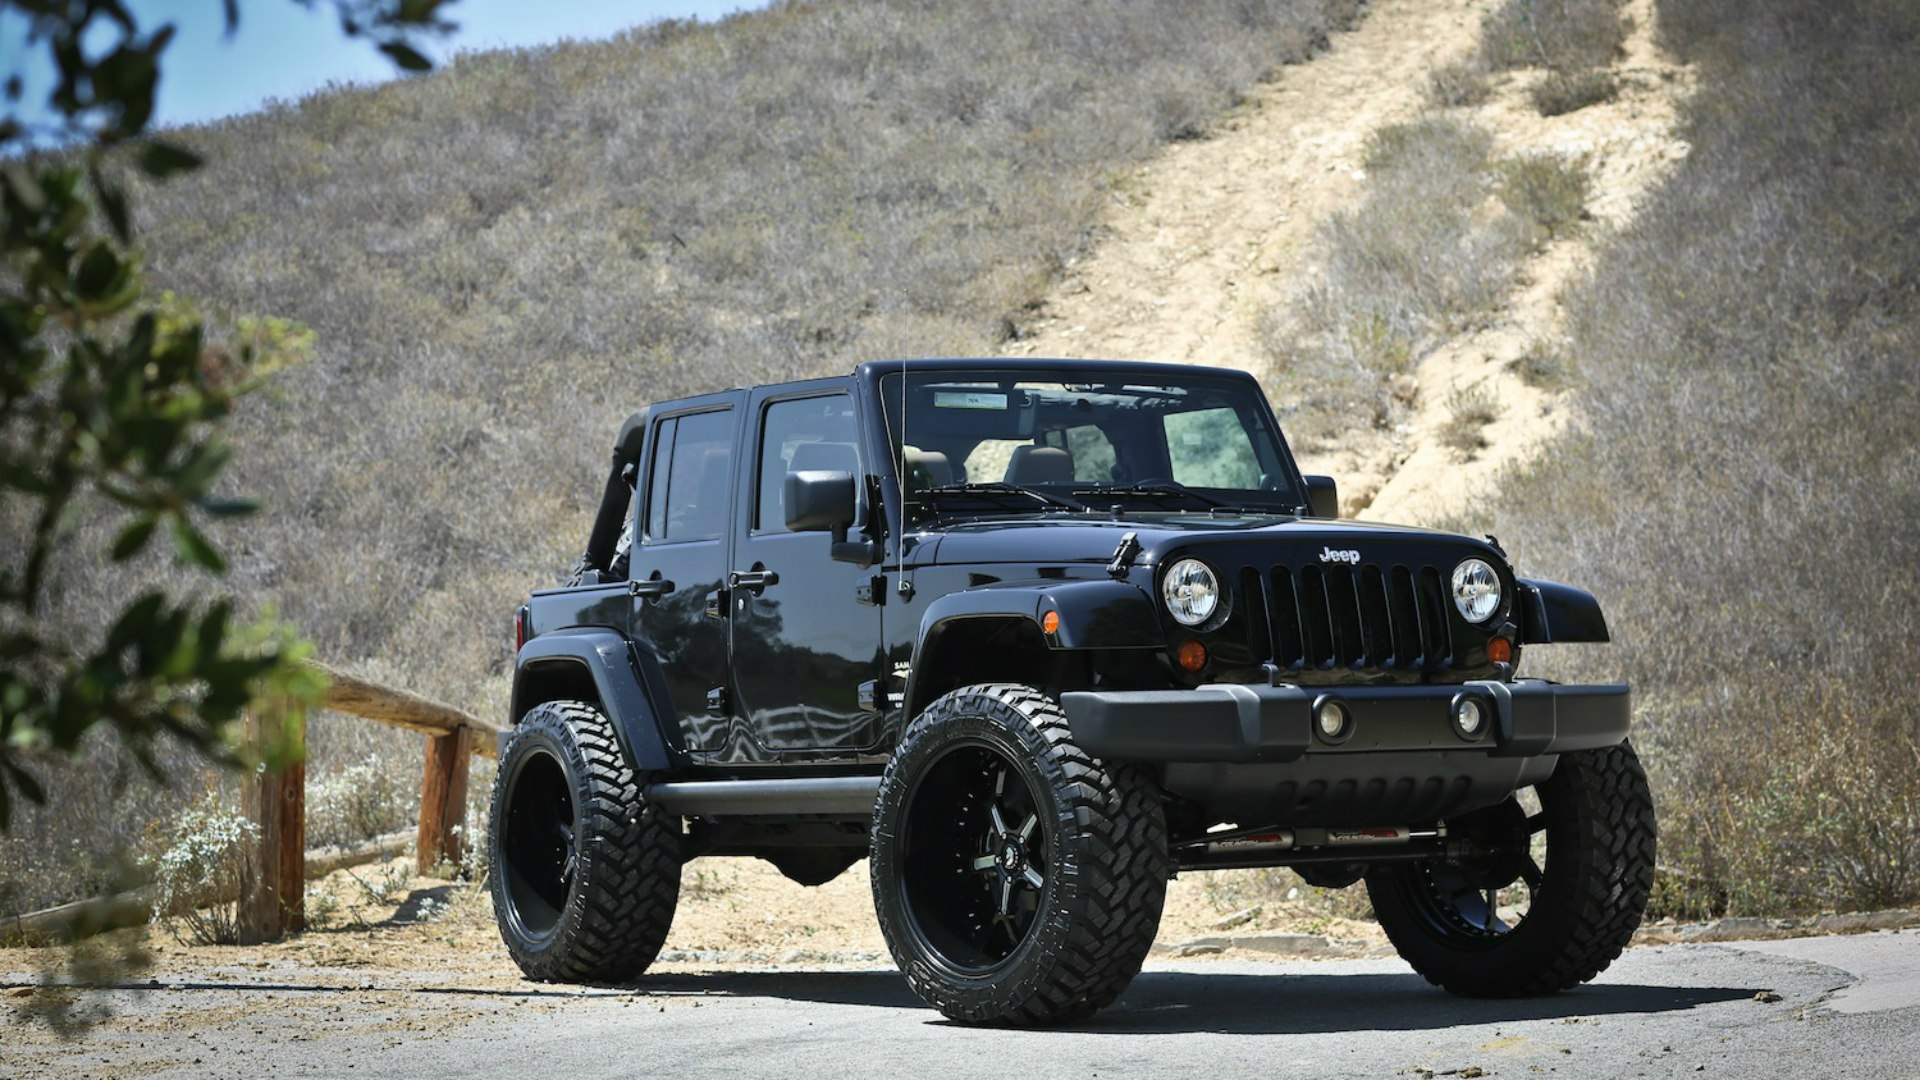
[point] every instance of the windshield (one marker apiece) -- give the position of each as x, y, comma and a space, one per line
983, 442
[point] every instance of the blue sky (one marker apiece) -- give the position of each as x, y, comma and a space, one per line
283, 50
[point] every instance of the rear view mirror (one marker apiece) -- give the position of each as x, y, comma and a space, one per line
819, 501
1323, 496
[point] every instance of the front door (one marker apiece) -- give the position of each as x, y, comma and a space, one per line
803, 640
680, 561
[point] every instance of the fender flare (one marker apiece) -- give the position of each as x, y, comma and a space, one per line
1095, 613
1553, 613
610, 662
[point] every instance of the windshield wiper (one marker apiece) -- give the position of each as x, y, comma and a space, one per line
1156, 489
1001, 488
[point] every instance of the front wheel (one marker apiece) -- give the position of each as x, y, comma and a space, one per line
1553, 886
1017, 879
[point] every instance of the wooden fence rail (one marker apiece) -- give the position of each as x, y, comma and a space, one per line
273, 892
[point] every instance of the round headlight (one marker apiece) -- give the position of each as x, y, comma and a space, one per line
1191, 591
1476, 590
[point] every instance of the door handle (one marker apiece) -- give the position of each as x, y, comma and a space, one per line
753, 580
652, 588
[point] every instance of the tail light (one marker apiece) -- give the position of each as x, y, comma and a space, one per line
521, 628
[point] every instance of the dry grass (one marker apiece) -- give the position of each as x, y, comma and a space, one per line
503, 260
1743, 494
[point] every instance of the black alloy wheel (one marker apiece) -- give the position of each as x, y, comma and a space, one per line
1017, 879
586, 873
1553, 883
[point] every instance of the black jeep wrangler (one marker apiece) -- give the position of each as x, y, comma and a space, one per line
1033, 636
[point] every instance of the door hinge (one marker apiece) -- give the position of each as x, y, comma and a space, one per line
874, 592
872, 698
717, 700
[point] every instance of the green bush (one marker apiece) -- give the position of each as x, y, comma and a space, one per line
198, 876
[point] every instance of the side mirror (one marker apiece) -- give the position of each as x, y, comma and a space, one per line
819, 501
1323, 496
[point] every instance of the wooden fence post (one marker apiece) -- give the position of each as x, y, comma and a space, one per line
273, 899
443, 798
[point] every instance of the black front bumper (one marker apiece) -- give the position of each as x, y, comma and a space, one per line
1252, 753
1234, 722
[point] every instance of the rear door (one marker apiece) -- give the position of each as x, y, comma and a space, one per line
804, 641
680, 559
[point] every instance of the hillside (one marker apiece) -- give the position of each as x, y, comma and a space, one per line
502, 260
1634, 291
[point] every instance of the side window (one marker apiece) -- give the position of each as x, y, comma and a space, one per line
805, 434
696, 462
657, 479
1210, 448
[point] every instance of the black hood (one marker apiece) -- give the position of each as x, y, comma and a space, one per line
1083, 538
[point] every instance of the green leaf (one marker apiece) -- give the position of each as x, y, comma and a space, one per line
133, 538
100, 270
194, 547
113, 203
406, 56
228, 508
161, 160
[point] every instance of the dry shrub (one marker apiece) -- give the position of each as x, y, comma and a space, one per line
1556, 34
1545, 366
1469, 410
1459, 83
1743, 495
1548, 191
1562, 92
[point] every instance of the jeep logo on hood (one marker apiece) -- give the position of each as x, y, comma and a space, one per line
1345, 555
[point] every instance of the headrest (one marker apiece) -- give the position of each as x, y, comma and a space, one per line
1040, 465
926, 469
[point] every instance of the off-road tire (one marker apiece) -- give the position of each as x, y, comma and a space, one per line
1598, 875
619, 901
1102, 837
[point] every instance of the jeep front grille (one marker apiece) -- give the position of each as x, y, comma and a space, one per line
1326, 617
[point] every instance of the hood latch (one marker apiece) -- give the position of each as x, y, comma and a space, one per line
1123, 555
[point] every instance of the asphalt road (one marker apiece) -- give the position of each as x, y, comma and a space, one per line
1846, 1007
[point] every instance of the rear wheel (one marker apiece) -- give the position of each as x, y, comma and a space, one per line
1017, 879
1556, 884
586, 874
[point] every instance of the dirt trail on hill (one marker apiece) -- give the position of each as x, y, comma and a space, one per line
1206, 238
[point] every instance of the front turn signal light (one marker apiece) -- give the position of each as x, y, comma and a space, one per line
1190, 655
1500, 651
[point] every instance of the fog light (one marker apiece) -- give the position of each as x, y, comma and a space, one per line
1469, 717
1333, 720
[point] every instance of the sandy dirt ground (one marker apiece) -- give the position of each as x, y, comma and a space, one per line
1212, 234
